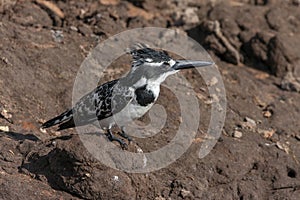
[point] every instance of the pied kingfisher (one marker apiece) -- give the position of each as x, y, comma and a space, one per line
120, 101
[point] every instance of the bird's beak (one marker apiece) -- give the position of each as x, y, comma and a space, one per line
187, 64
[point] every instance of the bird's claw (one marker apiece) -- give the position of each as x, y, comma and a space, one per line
124, 145
124, 135
112, 138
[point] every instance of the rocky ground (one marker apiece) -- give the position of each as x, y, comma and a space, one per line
255, 43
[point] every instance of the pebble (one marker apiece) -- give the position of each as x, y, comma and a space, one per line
115, 178
43, 130
267, 114
247, 119
6, 115
74, 28
237, 134
139, 150
57, 133
283, 146
57, 35
185, 193
215, 98
249, 123
5, 60
213, 81
266, 133
190, 16
4, 128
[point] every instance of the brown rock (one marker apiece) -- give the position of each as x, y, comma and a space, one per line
237, 134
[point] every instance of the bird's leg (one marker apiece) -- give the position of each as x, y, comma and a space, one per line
111, 137
124, 135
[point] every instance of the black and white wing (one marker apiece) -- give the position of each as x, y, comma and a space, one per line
101, 103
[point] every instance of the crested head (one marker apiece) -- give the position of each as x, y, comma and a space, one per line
146, 55
155, 66
150, 64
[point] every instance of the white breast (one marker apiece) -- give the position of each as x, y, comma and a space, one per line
131, 112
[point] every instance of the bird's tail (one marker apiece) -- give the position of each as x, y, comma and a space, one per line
59, 119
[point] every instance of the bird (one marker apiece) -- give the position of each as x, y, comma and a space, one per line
122, 100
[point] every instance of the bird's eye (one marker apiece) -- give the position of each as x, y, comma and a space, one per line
166, 63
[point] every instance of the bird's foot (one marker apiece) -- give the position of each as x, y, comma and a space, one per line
124, 135
112, 138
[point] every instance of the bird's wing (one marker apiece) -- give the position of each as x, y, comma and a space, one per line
101, 103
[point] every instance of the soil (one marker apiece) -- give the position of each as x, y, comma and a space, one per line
254, 43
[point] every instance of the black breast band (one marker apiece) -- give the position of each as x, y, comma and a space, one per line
144, 96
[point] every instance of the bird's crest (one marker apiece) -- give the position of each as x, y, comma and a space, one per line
141, 53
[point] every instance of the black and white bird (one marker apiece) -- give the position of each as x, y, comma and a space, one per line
120, 101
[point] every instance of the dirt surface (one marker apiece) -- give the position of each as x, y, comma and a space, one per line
254, 43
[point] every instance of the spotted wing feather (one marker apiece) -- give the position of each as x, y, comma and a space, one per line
101, 103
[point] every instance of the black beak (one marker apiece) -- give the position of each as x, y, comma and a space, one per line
187, 64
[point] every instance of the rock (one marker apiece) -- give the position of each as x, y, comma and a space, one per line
115, 178
43, 130
248, 123
220, 41
213, 81
247, 119
282, 57
31, 15
290, 83
190, 16
57, 35
85, 30
260, 102
5, 60
135, 11
275, 20
6, 115
237, 134
266, 133
185, 193
74, 28
277, 58
283, 146
256, 48
4, 128
8, 156
267, 114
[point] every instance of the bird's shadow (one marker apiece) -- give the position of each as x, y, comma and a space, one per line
19, 136
63, 137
